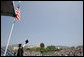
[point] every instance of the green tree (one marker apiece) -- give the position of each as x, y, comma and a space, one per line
42, 48
42, 45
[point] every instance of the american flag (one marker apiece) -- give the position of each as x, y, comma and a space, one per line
18, 14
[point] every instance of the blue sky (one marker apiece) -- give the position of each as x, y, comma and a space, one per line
50, 22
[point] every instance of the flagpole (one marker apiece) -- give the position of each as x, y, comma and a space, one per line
9, 37
11, 30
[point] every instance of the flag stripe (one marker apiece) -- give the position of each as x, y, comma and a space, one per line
18, 14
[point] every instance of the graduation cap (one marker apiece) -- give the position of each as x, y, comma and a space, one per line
26, 41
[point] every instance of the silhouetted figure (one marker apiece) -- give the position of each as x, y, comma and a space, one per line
20, 50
